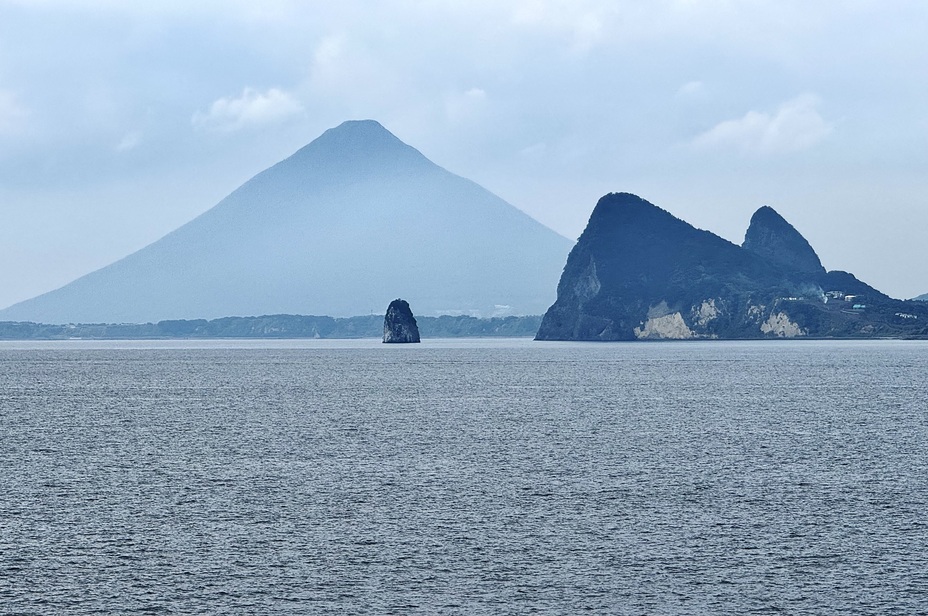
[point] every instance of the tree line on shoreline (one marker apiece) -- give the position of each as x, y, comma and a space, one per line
273, 326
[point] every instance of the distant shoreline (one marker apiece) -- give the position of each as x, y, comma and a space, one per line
280, 326
296, 327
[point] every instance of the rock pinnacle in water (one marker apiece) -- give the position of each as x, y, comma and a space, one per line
399, 325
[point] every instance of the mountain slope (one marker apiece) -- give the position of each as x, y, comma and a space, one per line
771, 237
340, 228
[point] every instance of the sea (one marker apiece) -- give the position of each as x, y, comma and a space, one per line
472, 476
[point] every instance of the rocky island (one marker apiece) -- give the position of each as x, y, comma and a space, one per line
399, 324
639, 273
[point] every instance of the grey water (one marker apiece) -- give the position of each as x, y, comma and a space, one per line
463, 477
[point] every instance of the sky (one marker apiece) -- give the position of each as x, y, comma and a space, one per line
120, 121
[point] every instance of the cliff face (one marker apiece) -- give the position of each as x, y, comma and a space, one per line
639, 273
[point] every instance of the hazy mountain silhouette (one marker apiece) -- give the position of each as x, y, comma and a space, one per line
349, 222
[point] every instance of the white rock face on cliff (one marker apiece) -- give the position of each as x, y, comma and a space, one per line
706, 312
780, 326
667, 327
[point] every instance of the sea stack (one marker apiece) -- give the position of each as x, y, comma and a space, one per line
399, 325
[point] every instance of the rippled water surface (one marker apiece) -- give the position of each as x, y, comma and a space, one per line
477, 477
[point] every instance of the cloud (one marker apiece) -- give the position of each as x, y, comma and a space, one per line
691, 89
252, 108
795, 126
329, 50
581, 23
354, 76
534, 151
463, 105
502, 310
12, 113
129, 142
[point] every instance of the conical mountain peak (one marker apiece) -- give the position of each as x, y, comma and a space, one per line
359, 133
770, 236
363, 146
347, 222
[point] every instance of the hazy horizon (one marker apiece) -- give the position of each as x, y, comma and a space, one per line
119, 123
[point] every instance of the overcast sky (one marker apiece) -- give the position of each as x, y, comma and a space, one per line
120, 121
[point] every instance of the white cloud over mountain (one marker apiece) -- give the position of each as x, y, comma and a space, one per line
12, 112
251, 109
795, 125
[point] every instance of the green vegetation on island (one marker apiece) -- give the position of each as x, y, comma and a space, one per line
639, 273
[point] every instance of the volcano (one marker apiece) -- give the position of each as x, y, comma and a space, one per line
341, 227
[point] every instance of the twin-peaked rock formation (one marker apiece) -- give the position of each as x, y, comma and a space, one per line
637, 272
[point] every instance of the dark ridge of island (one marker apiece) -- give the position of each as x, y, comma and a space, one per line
275, 326
399, 324
639, 273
